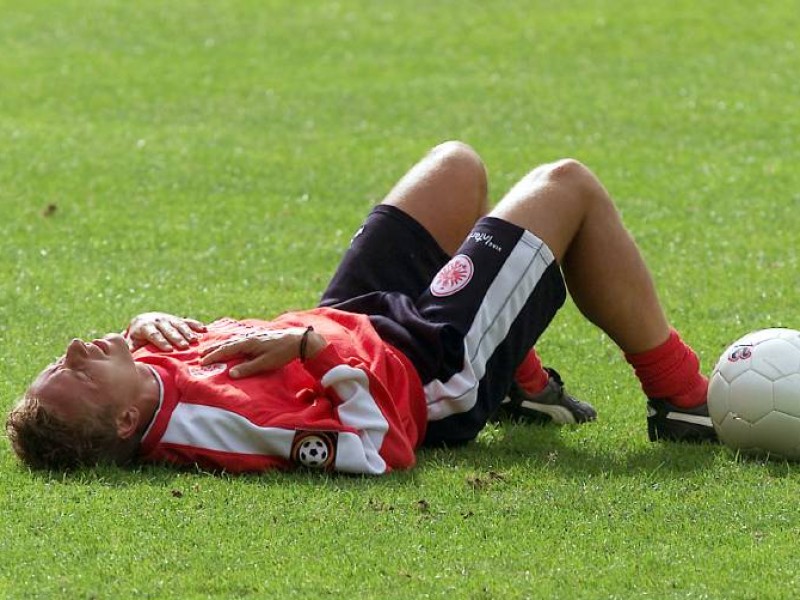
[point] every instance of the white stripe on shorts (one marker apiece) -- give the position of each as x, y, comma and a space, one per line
504, 300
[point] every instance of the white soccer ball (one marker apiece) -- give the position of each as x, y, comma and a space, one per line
754, 393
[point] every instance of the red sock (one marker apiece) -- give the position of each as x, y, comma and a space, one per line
671, 372
530, 375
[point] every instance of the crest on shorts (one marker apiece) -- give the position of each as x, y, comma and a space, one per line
314, 449
454, 276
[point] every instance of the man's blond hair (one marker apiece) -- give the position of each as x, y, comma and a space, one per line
44, 441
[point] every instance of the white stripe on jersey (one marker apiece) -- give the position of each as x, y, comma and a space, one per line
357, 453
212, 428
501, 305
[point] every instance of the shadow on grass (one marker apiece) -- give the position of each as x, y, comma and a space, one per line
536, 447
168, 477
508, 446
113, 476
777, 466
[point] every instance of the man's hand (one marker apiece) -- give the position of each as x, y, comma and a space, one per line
166, 332
266, 351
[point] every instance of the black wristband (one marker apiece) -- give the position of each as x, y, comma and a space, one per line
304, 343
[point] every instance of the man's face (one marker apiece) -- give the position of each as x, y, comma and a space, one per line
91, 378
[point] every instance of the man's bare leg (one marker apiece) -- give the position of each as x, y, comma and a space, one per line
565, 205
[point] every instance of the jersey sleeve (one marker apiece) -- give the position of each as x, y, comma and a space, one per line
372, 441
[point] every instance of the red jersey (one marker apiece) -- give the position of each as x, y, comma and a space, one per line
356, 407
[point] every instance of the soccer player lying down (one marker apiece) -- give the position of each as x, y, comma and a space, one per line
425, 332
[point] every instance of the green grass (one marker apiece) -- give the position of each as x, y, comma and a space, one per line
213, 158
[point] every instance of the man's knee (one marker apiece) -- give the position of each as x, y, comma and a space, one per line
564, 172
461, 161
573, 181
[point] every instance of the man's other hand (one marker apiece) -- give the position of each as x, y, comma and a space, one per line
166, 332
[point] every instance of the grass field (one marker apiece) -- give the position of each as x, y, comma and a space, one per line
213, 158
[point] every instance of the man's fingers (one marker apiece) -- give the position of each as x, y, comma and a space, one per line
251, 367
172, 334
195, 325
218, 353
155, 337
185, 330
266, 352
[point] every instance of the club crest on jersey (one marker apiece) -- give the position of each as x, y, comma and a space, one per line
740, 353
454, 276
314, 449
206, 371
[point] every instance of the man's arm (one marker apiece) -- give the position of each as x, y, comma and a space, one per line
267, 351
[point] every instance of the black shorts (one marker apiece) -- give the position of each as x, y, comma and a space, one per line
465, 322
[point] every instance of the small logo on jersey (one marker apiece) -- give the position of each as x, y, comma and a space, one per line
356, 234
454, 276
740, 353
204, 372
314, 449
